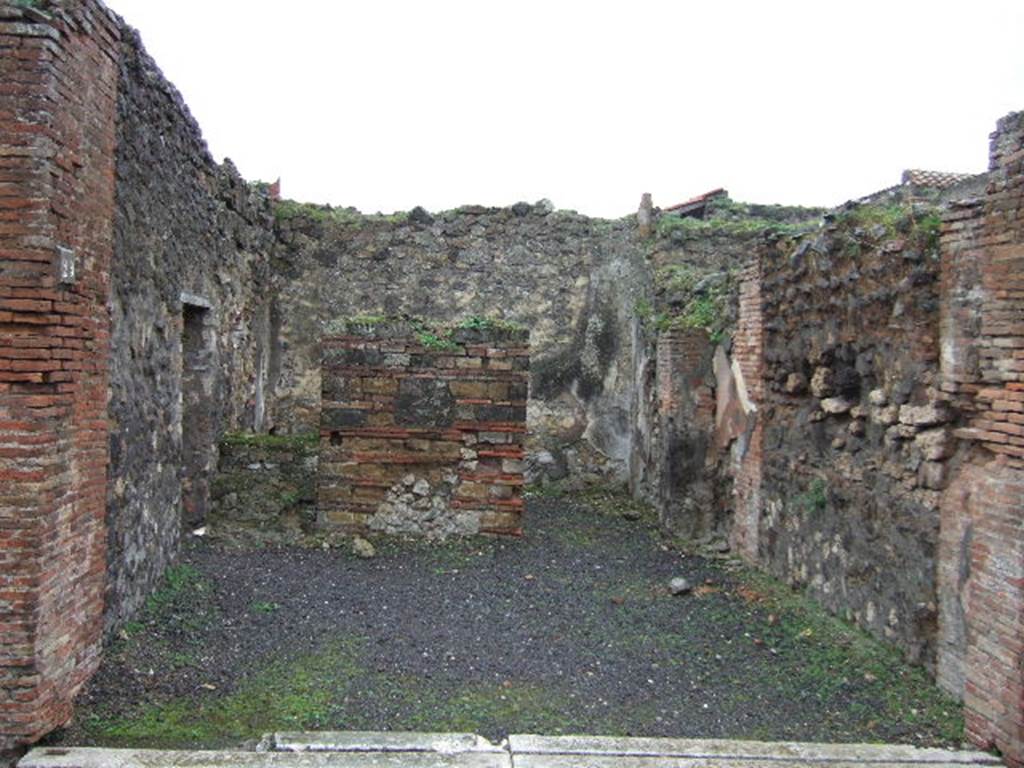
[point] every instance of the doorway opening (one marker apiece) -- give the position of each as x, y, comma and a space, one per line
196, 415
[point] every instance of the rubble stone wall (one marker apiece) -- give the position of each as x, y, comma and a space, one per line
264, 491
890, 407
191, 240
422, 434
855, 431
573, 281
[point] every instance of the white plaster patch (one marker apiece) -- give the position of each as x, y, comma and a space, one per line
741, 389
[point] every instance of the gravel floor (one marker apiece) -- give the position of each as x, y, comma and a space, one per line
569, 629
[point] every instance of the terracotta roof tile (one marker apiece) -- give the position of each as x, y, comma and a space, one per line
696, 202
934, 179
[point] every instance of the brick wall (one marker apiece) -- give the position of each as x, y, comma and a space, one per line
573, 281
746, 457
682, 460
59, 81
683, 364
982, 567
422, 435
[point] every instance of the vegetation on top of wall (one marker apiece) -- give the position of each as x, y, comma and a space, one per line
919, 224
478, 323
291, 209
731, 218
398, 217
285, 210
894, 219
429, 334
432, 340
724, 208
692, 299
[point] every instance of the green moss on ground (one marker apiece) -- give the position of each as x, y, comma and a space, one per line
172, 621
331, 688
300, 693
741, 639
831, 658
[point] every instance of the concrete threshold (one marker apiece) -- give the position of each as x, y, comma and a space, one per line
370, 749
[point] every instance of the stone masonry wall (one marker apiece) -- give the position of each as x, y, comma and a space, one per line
855, 433
574, 281
59, 81
422, 434
264, 491
981, 576
877, 456
692, 412
191, 292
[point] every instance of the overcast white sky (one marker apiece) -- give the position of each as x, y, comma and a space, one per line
388, 104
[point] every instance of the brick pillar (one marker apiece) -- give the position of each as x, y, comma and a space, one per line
748, 354
58, 80
981, 566
420, 438
683, 369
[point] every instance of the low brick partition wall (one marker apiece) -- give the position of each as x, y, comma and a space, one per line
422, 432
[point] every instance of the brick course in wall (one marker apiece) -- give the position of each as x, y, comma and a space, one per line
982, 571
59, 81
684, 460
420, 435
747, 454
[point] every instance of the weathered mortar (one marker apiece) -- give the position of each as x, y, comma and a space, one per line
855, 435
57, 141
422, 432
187, 232
573, 281
981, 572
265, 488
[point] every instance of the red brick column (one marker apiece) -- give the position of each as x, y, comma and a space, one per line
682, 369
58, 80
983, 509
748, 354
